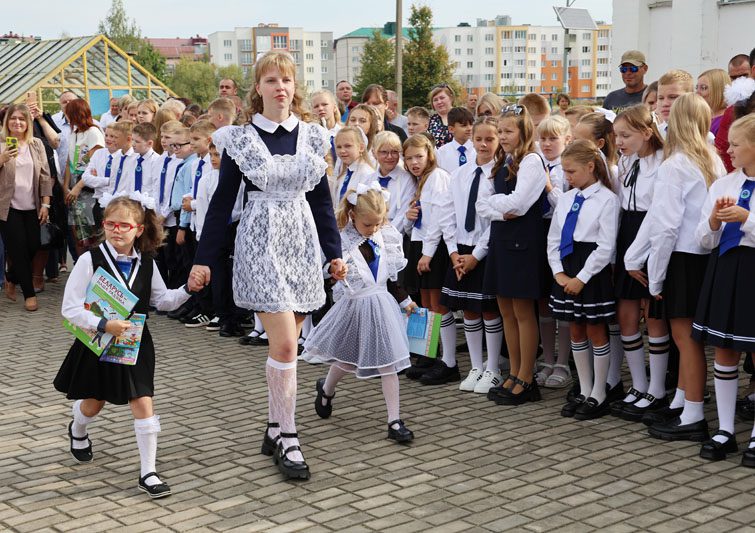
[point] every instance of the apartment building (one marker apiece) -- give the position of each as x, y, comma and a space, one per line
350, 47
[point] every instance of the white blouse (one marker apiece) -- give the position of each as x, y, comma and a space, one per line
640, 196
431, 200
402, 187
731, 186
530, 183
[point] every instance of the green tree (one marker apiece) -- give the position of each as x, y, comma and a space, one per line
425, 63
378, 64
196, 80
234, 72
125, 33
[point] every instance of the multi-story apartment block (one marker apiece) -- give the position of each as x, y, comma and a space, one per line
350, 47
312, 51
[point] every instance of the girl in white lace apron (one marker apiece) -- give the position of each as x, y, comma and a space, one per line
277, 268
363, 332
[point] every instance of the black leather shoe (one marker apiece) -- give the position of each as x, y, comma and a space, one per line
161, 490
529, 393
290, 469
402, 434
253, 341
746, 410
615, 393
180, 312
661, 416
617, 406
269, 444
748, 457
421, 365
231, 329
675, 430
323, 411
440, 374
574, 391
633, 413
716, 451
501, 390
571, 406
591, 409
82, 455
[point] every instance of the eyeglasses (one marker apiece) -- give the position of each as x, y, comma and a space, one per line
384, 153
514, 109
177, 146
633, 69
120, 226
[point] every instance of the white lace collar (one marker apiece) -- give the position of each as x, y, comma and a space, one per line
265, 124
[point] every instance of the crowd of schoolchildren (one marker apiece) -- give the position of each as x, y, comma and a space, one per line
555, 238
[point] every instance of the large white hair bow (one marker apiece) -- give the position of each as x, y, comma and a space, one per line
610, 115
740, 89
363, 188
147, 202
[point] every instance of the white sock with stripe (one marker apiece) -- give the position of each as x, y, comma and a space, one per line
725, 380
616, 355
448, 339
494, 340
581, 353
601, 356
473, 333
634, 351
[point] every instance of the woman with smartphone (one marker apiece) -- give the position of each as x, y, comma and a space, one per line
25, 190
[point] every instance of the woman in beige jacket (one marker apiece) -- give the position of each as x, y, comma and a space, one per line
25, 190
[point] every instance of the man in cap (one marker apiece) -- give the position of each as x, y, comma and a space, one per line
633, 69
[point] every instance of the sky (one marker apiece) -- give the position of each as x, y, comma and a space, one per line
183, 18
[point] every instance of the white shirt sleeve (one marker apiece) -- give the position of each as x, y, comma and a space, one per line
480, 251
606, 241
400, 222
92, 181
708, 238
554, 244
666, 212
531, 179
75, 294
161, 297
431, 212
447, 218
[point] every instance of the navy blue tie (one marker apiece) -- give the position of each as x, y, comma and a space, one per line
570, 224
546, 207
138, 174
345, 186
469, 221
384, 181
732, 234
163, 174
462, 155
375, 263
109, 165
118, 175
197, 176
418, 222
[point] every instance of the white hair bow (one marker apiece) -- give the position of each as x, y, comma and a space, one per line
363, 188
147, 202
740, 89
610, 115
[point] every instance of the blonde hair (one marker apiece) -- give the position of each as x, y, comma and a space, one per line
492, 100
439, 89
688, 126
718, 79
224, 106
285, 65
336, 118
150, 104
357, 136
419, 112
368, 203
175, 107
180, 131
421, 141
204, 127
602, 128
125, 101
554, 125
170, 127
746, 127
639, 118
578, 111
584, 152
682, 77
386, 138
133, 105
374, 119
124, 127
22, 108
526, 142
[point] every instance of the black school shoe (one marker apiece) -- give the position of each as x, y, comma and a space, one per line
592, 409
82, 455
161, 490
617, 406
745, 410
675, 430
420, 366
712, 450
661, 416
615, 393
440, 374
231, 329
748, 457
634, 414
400, 435
574, 391
185, 309
290, 469
529, 393
572, 405
323, 411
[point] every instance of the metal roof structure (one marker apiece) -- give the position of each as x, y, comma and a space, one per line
92, 67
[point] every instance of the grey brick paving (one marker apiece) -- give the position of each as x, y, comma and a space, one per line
473, 467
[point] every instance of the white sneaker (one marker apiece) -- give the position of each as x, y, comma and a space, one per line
487, 381
471, 380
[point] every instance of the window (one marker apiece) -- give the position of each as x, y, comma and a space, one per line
586, 36
554, 63
554, 50
603, 33
602, 61
489, 64
297, 57
325, 56
554, 37
310, 70
324, 83
246, 58
457, 51
489, 51
531, 63
520, 34
519, 49
280, 42
505, 62
470, 51
585, 62
554, 76
531, 76
309, 43
506, 49
245, 71
587, 75
355, 59
457, 38
532, 37
470, 38
324, 44
532, 50
519, 62
585, 88
295, 44
470, 64
246, 45
227, 43
309, 57
506, 35
543, 50
542, 37
228, 57
310, 83
555, 89
324, 70
489, 36
488, 77
585, 49
602, 74
602, 48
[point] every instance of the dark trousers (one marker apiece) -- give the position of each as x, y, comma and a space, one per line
168, 260
221, 282
21, 237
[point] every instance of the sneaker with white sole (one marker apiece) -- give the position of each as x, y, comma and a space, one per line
487, 381
471, 380
197, 321
213, 325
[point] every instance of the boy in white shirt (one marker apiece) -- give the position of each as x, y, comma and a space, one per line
138, 169
123, 129
460, 150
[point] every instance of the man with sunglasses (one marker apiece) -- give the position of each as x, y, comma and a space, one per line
633, 69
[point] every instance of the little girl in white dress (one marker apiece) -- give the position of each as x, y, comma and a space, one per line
364, 332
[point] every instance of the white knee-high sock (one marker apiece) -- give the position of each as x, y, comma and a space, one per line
564, 342
726, 381
473, 333
752, 436
548, 338
581, 353
146, 430
258, 323
331, 380
616, 355
448, 339
658, 365
79, 427
494, 340
601, 361
281, 390
634, 351
391, 394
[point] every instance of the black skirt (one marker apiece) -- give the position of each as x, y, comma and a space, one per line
82, 375
724, 310
596, 303
466, 294
515, 264
628, 288
434, 279
684, 279
546, 268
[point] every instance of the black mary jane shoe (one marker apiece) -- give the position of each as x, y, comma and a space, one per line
501, 390
161, 490
748, 457
81, 455
529, 393
269, 444
402, 434
592, 409
290, 469
617, 406
634, 413
661, 416
421, 365
616, 392
712, 450
746, 409
572, 405
323, 411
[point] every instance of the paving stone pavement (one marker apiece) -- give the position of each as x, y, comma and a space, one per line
473, 467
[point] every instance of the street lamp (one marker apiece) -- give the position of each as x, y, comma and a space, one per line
572, 19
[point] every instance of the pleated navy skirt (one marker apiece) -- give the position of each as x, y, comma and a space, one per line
467, 294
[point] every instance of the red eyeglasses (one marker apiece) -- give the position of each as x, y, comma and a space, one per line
120, 226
